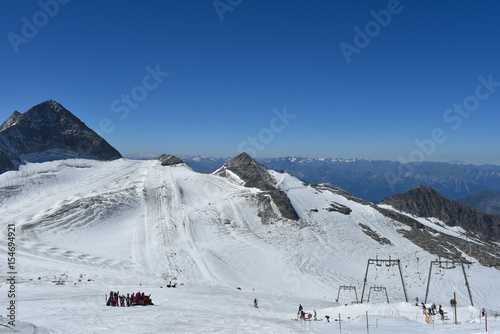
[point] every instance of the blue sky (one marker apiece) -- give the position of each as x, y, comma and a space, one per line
269, 77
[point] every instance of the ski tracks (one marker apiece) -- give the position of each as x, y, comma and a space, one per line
29, 248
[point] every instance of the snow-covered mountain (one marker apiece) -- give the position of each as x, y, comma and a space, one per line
84, 227
48, 131
138, 221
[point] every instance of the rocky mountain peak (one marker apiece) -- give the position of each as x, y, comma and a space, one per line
242, 159
424, 189
253, 173
13, 119
49, 131
256, 175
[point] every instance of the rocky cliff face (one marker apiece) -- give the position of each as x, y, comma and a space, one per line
255, 175
48, 131
426, 202
6, 163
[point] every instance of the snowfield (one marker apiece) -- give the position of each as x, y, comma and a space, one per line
85, 228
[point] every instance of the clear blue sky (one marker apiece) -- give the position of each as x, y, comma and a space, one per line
229, 67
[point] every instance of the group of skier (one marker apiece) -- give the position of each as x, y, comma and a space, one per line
433, 310
302, 315
115, 299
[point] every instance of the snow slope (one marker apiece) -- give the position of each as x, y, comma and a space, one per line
136, 225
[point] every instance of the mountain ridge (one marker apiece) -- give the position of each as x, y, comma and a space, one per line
374, 180
424, 201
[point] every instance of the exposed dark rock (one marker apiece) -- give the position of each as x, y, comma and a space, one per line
450, 247
444, 245
426, 202
413, 223
340, 191
6, 163
337, 207
374, 235
169, 160
255, 175
48, 131
441, 244
265, 211
9, 159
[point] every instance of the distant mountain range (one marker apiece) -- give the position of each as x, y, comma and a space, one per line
487, 201
374, 180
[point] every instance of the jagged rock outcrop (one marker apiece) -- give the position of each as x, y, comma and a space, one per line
48, 131
255, 175
337, 190
426, 202
169, 160
337, 207
374, 235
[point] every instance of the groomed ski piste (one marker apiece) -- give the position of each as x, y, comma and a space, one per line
85, 228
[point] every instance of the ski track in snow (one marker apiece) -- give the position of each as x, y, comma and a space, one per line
93, 226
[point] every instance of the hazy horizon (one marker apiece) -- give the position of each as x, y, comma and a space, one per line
151, 156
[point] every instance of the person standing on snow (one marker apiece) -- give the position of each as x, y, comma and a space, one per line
255, 302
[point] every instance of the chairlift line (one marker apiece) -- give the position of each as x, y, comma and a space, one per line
389, 263
348, 287
449, 264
